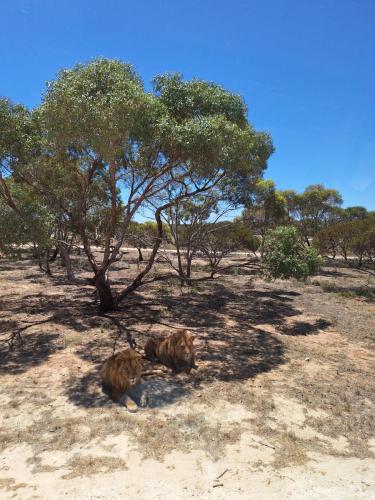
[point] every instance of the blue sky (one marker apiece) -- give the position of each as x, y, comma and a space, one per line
306, 68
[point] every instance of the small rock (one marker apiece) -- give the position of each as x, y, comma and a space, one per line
307, 359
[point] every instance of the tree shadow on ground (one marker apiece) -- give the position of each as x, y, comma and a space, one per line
156, 393
237, 355
332, 273
230, 346
25, 343
32, 351
87, 391
304, 327
238, 352
216, 304
366, 293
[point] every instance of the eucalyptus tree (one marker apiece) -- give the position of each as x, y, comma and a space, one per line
187, 223
266, 208
349, 238
353, 213
221, 239
30, 224
142, 236
97, 121
313, 209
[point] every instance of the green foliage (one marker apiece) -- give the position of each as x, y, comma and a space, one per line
268, 207
93, 107
353, 213
12, 232
314, 208
286, 257
34, 224
102, 107
187, 100
13, 119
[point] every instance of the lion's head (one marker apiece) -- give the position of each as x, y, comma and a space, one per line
183, 347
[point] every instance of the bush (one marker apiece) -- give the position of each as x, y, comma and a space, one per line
286, 257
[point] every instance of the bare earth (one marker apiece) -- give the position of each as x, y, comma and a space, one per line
282, 404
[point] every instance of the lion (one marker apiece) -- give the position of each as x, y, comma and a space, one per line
119, 373
175, 351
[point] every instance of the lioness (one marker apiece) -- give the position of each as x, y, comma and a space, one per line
120, 372
175, 351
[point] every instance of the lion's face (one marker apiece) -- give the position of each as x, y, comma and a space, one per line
184, 347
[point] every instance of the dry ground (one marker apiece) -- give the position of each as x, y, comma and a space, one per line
281, 406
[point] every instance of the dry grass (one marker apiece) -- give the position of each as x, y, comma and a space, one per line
292, 451
154, 435
185, 432
87, 465
349, 401
9, 484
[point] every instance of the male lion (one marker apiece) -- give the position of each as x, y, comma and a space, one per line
120, 372
175, 351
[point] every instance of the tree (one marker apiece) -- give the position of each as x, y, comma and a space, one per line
354, 213
30, 223
313, 208
97, 122
267, 209
142, 236
221, 239
349, 238
286, 257
187, 221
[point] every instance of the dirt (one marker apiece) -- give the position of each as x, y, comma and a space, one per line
282, 403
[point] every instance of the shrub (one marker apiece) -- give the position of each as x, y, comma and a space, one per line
286, 257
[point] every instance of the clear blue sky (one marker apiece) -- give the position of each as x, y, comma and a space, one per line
305, 67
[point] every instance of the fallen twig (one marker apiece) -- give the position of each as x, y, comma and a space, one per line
222, 474
264, 444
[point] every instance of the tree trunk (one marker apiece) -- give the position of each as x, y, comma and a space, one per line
40, 260
188, 281
360, 260
66, 261
140, 256
54, 255
138, 281
46, 263
261, 247
107, 300
43, 262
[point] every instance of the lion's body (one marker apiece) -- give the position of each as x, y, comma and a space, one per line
121, 371
175, 351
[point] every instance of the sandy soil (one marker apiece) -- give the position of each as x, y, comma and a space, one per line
281, 406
